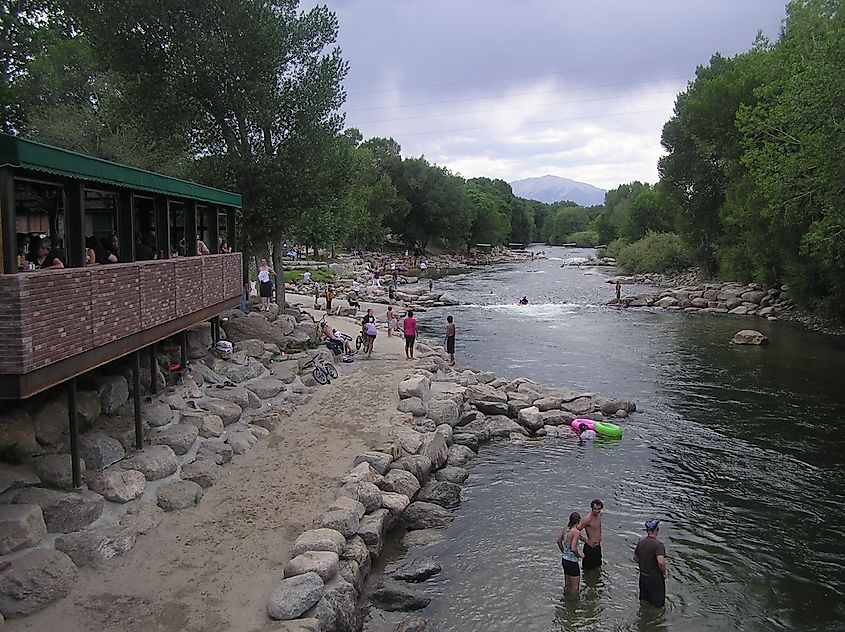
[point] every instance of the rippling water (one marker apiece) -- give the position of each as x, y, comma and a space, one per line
739, 450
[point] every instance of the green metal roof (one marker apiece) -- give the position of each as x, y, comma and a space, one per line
27, 154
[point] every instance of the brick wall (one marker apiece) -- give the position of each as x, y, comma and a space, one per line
51, 315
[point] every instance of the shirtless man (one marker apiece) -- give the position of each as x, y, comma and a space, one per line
590, 526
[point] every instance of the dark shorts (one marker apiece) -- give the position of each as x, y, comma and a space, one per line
592, 557
450, 344
570, 569
653, 590
265, 289
409, 342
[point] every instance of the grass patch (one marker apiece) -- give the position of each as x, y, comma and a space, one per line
322, 275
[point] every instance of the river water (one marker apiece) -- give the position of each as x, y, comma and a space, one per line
739, 450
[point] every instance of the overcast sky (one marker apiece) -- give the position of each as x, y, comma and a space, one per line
518, 88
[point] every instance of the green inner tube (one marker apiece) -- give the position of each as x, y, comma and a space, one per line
608, 430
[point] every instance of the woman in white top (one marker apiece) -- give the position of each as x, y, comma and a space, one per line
265, 284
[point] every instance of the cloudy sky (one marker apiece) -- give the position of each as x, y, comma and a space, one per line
518, 88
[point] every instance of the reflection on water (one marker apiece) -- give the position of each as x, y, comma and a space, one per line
738, 450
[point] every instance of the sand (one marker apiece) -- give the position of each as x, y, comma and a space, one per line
213, 567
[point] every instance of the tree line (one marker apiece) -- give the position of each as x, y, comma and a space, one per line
248, 95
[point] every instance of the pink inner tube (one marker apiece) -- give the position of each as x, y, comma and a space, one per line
576, 424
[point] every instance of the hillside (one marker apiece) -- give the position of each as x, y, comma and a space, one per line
555, 189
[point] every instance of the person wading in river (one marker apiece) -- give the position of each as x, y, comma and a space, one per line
591, 535
650, 554
567, 542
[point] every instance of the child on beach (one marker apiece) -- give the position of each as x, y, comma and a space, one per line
450, 339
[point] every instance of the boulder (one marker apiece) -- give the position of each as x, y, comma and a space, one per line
464, 438
229, 412
501, 427
252, 347
441, 493
295, 595
17, 477
116, 484
749, 337
154, 462
452, 474
156, 414
392, 596
220, 453
492, 408
394, 503
344, 503
336, 611
241, 441
410, 440
443, 411
417, 570
400, 481
93, 547
415, 386
372, 529
178, 495
417, 464
34, 581
207, 424
435, 448
99, 450
413, 405
610, 407
180, 437
366, 493
356, 550
270, 421
323, 563
319, 540
484, 393
141, 517
754, 296
580, 406
557, 418
204, 472
345, 520
21, 526
379, 461
55, 470
423, 515
265, 388
63, 511
112, 390
363, 472
50, 423
548, 403
460, 455
422, 537
531, 418
88, 407
17, 432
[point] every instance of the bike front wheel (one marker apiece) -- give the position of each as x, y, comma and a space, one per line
328, 367
320, 375
358, 342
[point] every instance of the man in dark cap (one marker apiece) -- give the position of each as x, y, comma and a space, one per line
650, 554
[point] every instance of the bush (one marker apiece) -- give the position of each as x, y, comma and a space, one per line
323, 275
614, 248
584, 239
656, 252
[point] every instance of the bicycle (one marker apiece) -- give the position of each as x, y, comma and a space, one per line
323, 372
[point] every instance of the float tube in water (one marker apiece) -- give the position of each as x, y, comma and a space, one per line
608, 430
577, 423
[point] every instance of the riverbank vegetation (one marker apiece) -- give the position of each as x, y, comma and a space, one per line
750, 188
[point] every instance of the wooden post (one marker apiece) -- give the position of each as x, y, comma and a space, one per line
153, 369
231, 229
76, 471
75, 221
8, 228
126, 228
183, 343
162, 211
191, 228
213, 229
136, 398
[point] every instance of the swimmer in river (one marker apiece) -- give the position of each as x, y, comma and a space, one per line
523, 301
585, 433
591, 535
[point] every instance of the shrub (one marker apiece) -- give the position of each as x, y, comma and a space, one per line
656, 252
584, 239
323, 275
614, 248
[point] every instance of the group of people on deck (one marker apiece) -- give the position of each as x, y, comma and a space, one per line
580, 542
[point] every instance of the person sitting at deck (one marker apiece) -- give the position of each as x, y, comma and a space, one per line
43, 257
202, 249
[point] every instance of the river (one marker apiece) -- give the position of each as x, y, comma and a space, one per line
738, 450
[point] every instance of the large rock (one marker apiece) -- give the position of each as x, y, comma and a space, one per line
379, 461
55, 470
154, 462
392, 596
443, 411
417, 570
531, 418
117, 485
50, 423
493, 408
157, 414
401, 482
463, 438
610, 407
20, 526
229, 412
417, 464
34, 581
266, 388
180, 437
99, 450
252, 347
239, 395
241, 441
94, 547
344, 520
336, 611
294, 595
410, 440
422, 538
63, 511
319, 540
415, 386
413, 405
220, 453
749, 337
502, 427
394, 503
363, 472
113, 391
423, 515
441, 493
323, 563
557, 417
548, 403
239, 329
17, 477
368, 494
484, 393
88, 407
580, 406
372, 529
199, 340
460, 455
204, 472
452, 474
179, 495
207, 424
435, 448
356, 551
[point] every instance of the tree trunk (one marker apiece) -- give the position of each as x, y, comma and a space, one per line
279, 267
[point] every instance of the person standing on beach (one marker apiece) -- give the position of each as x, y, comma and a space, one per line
316, 295
409, 326
618, 291
450, 339
591, 535
650, 555
367, 320
329, 297
430, 285
265, 284
391, 320
567, 542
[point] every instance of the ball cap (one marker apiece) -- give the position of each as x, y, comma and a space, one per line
652, 525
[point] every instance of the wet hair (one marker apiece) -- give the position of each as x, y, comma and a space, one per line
597, 501
410, 313
449, 319
574, 518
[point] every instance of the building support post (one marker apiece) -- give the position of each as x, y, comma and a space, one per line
8, 229
73, 419
153, 369
183, 343
136, 398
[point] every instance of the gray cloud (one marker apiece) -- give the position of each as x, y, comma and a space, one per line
520, 88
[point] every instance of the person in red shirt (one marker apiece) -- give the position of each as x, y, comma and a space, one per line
410, 329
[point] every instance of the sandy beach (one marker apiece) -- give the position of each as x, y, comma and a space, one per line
212, 567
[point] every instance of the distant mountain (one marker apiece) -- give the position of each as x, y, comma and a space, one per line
555, 189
